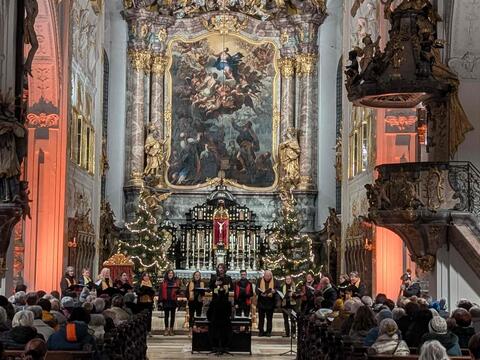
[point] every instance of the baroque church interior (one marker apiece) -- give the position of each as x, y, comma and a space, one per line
250, 177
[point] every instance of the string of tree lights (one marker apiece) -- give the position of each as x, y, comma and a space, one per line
149, 245
288, 252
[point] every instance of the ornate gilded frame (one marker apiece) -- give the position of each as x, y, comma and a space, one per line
275, 115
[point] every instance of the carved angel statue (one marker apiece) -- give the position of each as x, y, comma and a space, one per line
12, 135
153, 201
289, 154
154, 152
368, 51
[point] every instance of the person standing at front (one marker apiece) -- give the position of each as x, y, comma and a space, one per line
266, 291
168, 299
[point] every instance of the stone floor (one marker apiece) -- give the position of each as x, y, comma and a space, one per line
179, 347
180, 328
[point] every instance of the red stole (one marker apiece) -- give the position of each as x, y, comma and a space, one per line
247, 290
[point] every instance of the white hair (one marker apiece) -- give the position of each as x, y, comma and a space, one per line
23, 318
99, 305
433, 350
20, 297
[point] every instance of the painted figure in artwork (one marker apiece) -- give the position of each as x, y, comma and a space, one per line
222, 110
221, 221
228, 63
248, 142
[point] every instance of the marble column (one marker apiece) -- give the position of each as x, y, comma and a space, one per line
157, 109
141, 64
307, 119
287, 70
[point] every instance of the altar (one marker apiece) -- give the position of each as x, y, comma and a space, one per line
219, 231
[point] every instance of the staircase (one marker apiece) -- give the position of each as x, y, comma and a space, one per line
431, 206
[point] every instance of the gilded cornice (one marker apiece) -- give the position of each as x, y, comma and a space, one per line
287, 66
140, 59
305, 63
159, 64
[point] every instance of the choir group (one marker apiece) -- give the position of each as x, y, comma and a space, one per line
311, 293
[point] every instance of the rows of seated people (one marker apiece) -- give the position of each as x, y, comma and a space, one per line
413, 326
100, 326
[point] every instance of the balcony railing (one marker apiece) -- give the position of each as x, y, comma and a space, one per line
432, 186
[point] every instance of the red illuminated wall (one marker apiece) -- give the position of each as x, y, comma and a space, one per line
396, 142
46, 159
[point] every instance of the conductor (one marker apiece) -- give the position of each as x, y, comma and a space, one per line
220, 311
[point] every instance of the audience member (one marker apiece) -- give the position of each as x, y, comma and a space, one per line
464, 304
35, 349
363, 321
474, 347
3, 321
31, 298
118, 308
438, 331
433, 350
418, 327
463, 329
42, 328
475, 314
74, 335
404, 322
22, 331
374, 332
388, 341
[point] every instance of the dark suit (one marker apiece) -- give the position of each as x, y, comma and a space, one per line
329, 296
359, 291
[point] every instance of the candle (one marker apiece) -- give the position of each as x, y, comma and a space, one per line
204, 249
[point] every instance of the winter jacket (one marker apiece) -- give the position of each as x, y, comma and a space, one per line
372, 336
329, 296
449, 342
18, 337
391, 345
464, 334
43, 328
84, 341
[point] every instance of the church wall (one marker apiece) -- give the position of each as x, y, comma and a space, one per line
7, 81
453, 278
354, 201
115, 46
463, 54
330, 48
86, 101
44, 232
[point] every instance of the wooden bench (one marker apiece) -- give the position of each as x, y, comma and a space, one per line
408, 357
52, 355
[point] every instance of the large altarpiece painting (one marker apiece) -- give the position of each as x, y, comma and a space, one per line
223, 94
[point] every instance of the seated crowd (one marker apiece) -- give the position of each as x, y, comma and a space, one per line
356, 326
87, 316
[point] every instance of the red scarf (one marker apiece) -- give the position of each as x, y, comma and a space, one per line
173, 292
247, 290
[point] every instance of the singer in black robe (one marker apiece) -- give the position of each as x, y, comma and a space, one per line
220, 310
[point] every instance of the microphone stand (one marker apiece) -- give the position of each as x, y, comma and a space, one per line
293, 320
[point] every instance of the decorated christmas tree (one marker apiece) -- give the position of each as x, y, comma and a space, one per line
148, 244
288, 251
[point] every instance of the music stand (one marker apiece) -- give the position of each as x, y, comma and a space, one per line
293, 319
